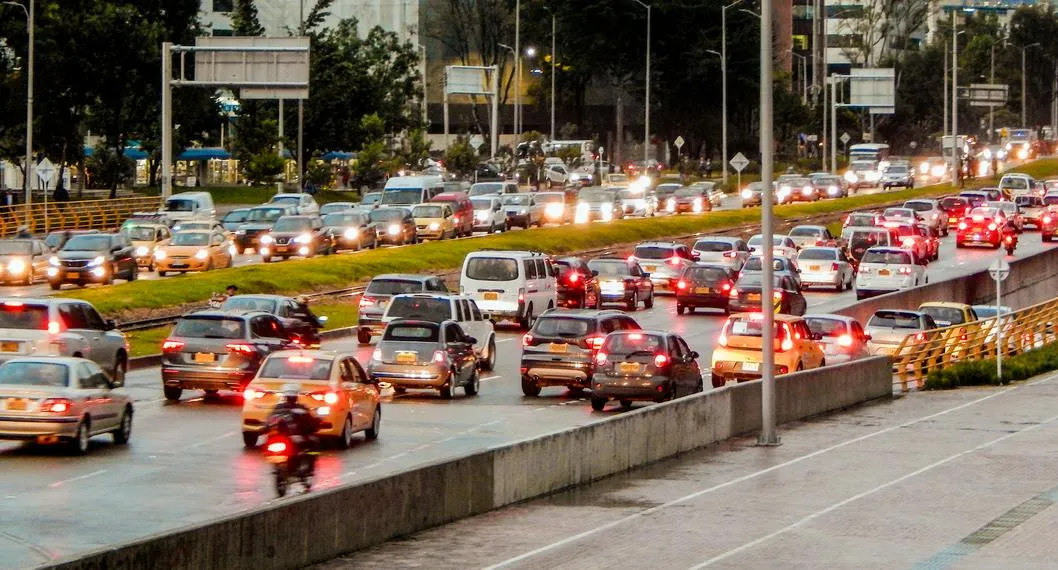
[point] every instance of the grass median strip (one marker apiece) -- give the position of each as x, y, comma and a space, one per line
326, 273
983, 372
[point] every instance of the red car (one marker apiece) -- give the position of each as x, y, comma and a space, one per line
984, 226
956, 206
578, 287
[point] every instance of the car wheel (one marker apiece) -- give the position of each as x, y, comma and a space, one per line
240, 250
249, 440
121, 366
79, 443
634, 303
363, 337
529, 388
161, 273
841, 286
173, 393
489, 364
718, 381
680, 309
527, 320
372, 432
266, 259
55, 286
691, 309
446, 392
124, 430
626, 404
649, 303
700, 386
598, 404
474, 385
347, 433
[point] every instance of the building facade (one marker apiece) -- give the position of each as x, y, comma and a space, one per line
280, 16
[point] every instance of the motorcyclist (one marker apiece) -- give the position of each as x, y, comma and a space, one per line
296, 422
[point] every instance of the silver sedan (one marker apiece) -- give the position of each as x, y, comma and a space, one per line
825, 267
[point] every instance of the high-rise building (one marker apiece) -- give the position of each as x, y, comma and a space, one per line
279, 16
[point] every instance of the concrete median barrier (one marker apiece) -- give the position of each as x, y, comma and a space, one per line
324, 524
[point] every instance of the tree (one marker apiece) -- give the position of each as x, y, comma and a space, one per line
461, 158
263, 167
418, 148
373, 161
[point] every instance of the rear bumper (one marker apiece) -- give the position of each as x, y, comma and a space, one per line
636, 389
709, 301
197, 378
410, 377
17, 428
550, 373
820, 279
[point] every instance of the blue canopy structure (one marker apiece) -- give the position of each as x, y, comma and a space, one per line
337, 155
130, 152
204, 154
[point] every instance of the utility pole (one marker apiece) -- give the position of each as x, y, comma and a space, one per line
646, 127
301, 108
768, 435
992, 108
517, 72
553, 76
31, 25
723, 74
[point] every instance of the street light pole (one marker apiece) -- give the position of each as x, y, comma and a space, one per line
992, 108
553, 76
517, 92
1024, 120
646, 127
30, 30
954, 102
517, 71
301, 110
723, 96
768, 435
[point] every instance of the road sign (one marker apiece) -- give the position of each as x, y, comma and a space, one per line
845, 138
999, 270
812, 138
985, 94
679, 143
739, 162
477, 141
45, 171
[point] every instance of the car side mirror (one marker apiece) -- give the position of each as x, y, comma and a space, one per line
866, 337
817, 336
696, 256
110, 325
694, 354
471, 340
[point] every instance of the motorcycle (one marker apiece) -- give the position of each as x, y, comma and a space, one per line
288, 462
1010, 242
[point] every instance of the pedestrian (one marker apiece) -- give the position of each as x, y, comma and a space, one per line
232, 290
995, 167
708, 167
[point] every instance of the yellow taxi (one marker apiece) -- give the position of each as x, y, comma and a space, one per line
434, 221
738, 354
194, 250
959, 315
146, 237
334, 388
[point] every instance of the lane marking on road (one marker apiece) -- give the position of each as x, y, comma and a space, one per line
215, 439
493, 377
58, 484
756, 474
40, 550
869, 492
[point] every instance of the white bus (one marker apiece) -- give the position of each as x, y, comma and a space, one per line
587, 148
869, 151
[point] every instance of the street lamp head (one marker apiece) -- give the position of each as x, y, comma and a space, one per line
714, 52
750, 12
505, 46
530, 52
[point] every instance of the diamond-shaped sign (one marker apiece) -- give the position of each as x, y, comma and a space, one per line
845, 138
679, 142
739, 162
45, 170
477, 141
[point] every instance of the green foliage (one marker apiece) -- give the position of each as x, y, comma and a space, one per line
319, 173
105, 167
983, 372
263, 167
461, 158
418, 148
244, 20
569, 155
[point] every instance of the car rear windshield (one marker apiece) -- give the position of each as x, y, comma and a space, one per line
190, 238
806, 232
775, 240
342, 219
35, 374
247, 303
135, 233
179, 205
426, 212
265, 214
293, 225
401, 196
286, 200
1027, 201
706, 274
633, 342
887, 257
481, 203
371, 198
897, 213
1050, 199
949, 203
654, 252
492, 269
945, 316
752, 327
516, 200
861, 219
826, 327
756, 280
819, 254
713, 246
422, 308
412, 332
210, 327
486, 188
23, 317
919, 206
236, 216
1015, 183
550, 198
606, 267
756, 264
297, 368
894, 320
564, 327
393, 287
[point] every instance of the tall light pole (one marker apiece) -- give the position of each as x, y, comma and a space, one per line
30, 29
804, 74
517, 72
723, 73
517, 91
992, 108
1024, 120
425, 90
646, 127
553, 68
768, 435
954, 102
301, 110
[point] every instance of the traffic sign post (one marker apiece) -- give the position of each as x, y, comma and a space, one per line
999, 270
477, 141
45, 170
845, 138
679, 145
739, 162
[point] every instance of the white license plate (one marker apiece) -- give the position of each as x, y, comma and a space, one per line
751, 366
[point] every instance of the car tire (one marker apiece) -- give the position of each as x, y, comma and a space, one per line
124, 430
529, 388
173, 393
527, 320
55, 286
598, 404
371, 433
121, 368
240, 250
626, 404
161, 273
266, 259
363, 337
473, 386
79, 442
718, 381
700, 386
446, 392
249, 439
400, 390
346, 438
680, 309
634, 303
649, 302
489, 363
691, 309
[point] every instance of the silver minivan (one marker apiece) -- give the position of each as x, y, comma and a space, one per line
189, 206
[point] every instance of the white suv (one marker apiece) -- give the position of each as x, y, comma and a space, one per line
510, 285
887, 269
440, 308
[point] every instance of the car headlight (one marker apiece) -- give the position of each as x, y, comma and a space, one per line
670, 204
434, 226
1023, 154
53, 261
266, 239
99, 259
160, 254
924, 168
351, 233
303, 238
393, 229
523, 211
832, 189
938, 171
851, 176
582, 206
201, 254
482, 216
142, 251
16, 265
746, 194
554, 209
807, 191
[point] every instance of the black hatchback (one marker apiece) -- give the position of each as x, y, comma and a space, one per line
704, 286
651, 366
786, 295
560, 348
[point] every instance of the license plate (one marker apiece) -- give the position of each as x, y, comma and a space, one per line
650, 268
407, 357
281, 248
702, 290
8, 347
558, 347
952, 220
491, 296
751, 366
753, 297
628, 367
73, 275
204, 357
275, 459
813, 268
178, 265
17, 405
883, 272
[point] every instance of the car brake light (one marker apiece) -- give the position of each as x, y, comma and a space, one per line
527, 339
251, 394
920, 337
962, 225
905, 271
1046, 219
574, 277
600, 358
722, 341
845, 340
331, 398
786, 344
833, 266
631, 258
56, 405
521, 295
731, 254
366, 301
455, 220
935, 216
300, 359
277, 447
734, 293
660, 360
681, 284
54, 327
241, 348
439, 357
777, 295
674, 260
726, 287
991, 227
595, 342
171, 345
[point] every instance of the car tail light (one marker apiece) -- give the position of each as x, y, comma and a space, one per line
600, 358
455, 220
783, 370
595, 342
845, 340
920, 337
731, 254
573, 277
734, 293
377, 355
681, 284
833, 266
962, 225
905, 271
722, 341
527, 339
661, 360
777, 295
330, 398
726, 287
786, 344
674, 260
1046, 219
439, 357
251, 394
366, 302
631, 258
935, 215
521, 295
277, 447
171, 345
54, 327
56, 405
962, 333
991, 227
979, 218
241, 348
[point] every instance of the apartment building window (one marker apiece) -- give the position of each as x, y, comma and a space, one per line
844, 41
844, 12
217, 32
223, 5
799, 42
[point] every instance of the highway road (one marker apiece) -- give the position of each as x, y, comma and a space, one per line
186, 462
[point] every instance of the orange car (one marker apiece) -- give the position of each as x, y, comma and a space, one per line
194, 250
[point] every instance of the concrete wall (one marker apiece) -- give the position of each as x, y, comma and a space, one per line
1032, 280
322, 525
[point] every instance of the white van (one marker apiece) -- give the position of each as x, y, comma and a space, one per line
510, 285
1016, 184
189, 206
411, 190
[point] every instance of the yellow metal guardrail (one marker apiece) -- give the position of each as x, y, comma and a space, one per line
83, 215
1022, 330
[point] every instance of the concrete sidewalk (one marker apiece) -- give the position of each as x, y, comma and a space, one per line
964, 479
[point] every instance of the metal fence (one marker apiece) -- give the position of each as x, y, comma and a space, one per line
1021, 330
84, 215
